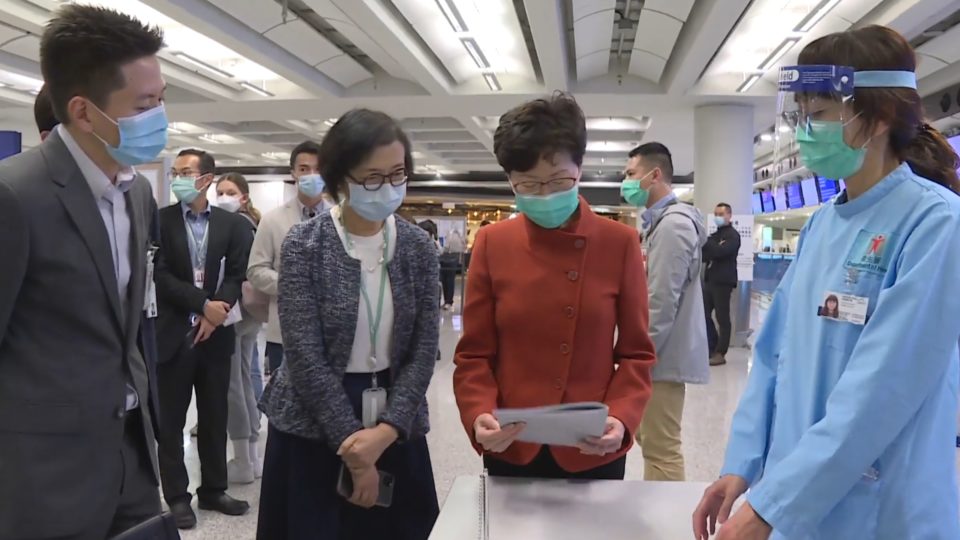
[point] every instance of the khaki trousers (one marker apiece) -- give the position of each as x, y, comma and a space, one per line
659, 433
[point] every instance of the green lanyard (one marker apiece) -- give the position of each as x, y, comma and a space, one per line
374, 323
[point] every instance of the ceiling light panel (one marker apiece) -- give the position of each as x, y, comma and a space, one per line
773, 32
618, 123
19, 82
497, 44
180, 38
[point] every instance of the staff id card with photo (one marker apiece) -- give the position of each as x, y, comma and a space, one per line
844, 308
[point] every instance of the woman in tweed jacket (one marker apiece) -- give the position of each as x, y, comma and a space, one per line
359, 310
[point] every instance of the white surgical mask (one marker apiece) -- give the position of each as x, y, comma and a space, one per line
228, 203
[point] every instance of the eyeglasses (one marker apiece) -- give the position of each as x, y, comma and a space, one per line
375, 181
534, 187
185, 172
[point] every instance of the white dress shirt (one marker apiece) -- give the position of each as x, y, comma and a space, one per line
369, 251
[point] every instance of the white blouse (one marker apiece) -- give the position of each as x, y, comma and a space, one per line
369, 251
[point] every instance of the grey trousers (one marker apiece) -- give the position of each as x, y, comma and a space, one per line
243, 418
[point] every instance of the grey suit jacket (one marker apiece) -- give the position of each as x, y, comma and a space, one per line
319, 299
67, 347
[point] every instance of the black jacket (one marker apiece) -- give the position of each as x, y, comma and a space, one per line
177, 298
720, 254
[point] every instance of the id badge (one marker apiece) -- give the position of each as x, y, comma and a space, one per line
198, 276
374, 402
846, 308
150, 290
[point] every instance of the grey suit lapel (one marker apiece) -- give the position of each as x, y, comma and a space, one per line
79, 203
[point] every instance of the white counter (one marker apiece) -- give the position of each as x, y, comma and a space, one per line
522, 509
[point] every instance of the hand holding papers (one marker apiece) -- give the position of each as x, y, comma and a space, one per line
557, 425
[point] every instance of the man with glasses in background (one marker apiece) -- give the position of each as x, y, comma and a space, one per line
200, 268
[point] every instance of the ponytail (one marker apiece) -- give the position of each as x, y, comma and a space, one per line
251, 211
931, 156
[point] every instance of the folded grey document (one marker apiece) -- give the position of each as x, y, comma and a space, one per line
557, 425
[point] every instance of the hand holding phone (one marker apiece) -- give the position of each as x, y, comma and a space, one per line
366, 487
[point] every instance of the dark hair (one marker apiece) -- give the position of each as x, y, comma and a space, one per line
484, 223
306, 147
83, 49
351, 141
207, 164
540, 129
826, 311
431, 228
657, 154
241, 182
43, 111
726, 207
911, 138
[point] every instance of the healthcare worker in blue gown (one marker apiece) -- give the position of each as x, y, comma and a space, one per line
846, 428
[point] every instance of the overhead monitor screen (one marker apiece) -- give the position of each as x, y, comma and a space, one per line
757, 204
828, 189
794, 195
766, 199
809, 188
780, 199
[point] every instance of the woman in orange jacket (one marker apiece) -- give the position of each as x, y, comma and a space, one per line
556, 307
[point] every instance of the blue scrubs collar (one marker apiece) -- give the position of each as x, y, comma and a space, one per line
847, 208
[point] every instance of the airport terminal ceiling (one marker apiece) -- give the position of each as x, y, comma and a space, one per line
249, 79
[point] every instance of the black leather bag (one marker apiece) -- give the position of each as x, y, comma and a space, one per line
161, 527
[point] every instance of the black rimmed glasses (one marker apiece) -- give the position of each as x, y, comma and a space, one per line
536, 187
373, 182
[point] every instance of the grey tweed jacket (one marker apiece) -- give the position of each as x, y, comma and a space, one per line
319, 291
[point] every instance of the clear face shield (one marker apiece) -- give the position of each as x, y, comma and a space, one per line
816, 135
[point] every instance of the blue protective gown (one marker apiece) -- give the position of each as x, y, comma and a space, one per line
845, 431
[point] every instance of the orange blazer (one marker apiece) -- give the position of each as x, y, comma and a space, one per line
542, 311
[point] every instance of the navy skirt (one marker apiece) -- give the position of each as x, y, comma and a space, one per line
298, 493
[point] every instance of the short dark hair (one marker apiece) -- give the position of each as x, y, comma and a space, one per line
351, 141
540, 129
658, 155
429, 226
306, 147
43, 112
207, 163
726, 207
83, 49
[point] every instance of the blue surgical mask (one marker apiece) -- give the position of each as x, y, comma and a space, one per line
376, 205
311, 185
550, 211
142, 137
185, 189
720, 221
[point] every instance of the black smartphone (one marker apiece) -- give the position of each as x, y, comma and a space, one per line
384, 496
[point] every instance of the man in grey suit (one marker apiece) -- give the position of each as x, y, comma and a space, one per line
77, 446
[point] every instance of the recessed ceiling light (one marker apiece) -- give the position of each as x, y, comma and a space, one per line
747, 84
256, 89
815, 15
452, 15
492, 82
202, 65
778, 53
474, 50
785, 129
766, 137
